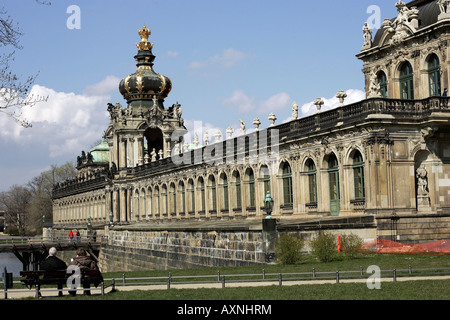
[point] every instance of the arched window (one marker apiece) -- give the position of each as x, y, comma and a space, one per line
157, 201
406, 81
237, 179
165, 199
225, 191
287, 184
135, 206
191, 190
434, 75
251, 188
173, 198
265, 174
201, 187
182, 196
312, 181
333, 178
382, 82
142, 204
212, 182
154, 140
150, 202
358, 176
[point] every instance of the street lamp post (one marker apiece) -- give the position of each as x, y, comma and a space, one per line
111, 222
268, 205
89, 228
269, 228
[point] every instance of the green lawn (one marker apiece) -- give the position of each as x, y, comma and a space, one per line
411, 290
384, 261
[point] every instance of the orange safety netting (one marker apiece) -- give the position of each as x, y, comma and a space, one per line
389, 246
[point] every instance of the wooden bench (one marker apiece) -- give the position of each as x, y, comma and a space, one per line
37, 278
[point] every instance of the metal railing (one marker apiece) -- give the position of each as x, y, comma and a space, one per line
38, 290
275, 277
223, 279
41, 240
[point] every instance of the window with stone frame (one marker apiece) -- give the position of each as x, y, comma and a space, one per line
358, 176
434, 75
406, 81
312, 181
287, 184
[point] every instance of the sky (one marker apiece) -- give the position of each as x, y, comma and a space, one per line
227, 60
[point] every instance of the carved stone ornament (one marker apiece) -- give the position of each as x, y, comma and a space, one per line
444, 7
404, 25
367, 35
374, 87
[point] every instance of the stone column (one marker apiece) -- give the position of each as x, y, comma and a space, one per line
140, 151
130, 152
269, 237
116, 204
129, 195
123, 153
123, 204
108, 203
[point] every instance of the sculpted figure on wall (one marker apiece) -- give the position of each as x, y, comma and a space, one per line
422, 180
405, 23
367, 35
374, 87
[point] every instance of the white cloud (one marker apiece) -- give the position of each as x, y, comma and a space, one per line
227, 59
275, 103
67, 123
240, 101
244, 104
172, 54
104, 87
353, 95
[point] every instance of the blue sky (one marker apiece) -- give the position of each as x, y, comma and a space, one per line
228, 60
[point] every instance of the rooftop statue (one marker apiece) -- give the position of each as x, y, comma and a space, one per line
405, 24
444, 6
367, 35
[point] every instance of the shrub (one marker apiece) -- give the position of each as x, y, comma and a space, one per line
324, 247
351, 244
289, 249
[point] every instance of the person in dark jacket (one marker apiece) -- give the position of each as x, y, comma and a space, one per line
53, 263
83, 261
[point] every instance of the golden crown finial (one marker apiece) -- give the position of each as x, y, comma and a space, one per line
144, 44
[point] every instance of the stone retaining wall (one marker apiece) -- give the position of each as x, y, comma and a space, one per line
144, 250
414, 229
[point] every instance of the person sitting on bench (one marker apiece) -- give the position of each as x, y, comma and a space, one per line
53, 263
83, 261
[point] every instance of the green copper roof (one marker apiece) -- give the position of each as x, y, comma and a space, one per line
100, 153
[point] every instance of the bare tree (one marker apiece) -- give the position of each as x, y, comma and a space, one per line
25, 206
14, 92
16, 201
41, 188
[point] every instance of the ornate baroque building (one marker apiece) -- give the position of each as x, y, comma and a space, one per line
388, 155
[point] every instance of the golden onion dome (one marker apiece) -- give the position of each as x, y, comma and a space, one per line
145, 83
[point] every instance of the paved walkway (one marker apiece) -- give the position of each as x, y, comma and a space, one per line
25, 293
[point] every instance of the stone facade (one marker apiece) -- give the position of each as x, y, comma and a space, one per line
407, 58
386, 157
143, 250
